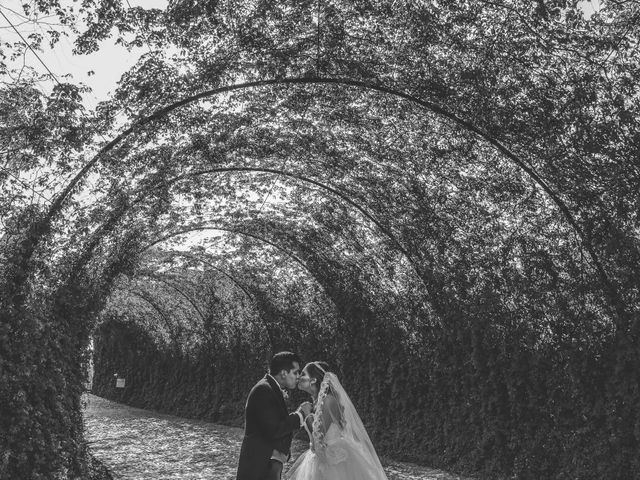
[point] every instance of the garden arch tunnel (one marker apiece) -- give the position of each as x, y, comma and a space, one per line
58, 203
520, 279
234, 231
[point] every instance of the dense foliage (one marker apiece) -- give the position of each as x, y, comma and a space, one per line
440, 198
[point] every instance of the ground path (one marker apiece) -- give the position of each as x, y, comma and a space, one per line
140, 444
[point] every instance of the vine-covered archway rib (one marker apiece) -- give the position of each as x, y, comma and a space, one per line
222, 271
146, 298
234, 280
318, 184
124, 206
197, 228
192, 302
57, 204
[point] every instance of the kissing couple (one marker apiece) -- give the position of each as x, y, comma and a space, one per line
339, 448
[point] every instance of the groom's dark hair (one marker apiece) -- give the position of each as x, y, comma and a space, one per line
283, 361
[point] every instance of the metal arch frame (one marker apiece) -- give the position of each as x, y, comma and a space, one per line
191, 301
236, 282
196, 228
155, 307
124, 208
289, 254
316, 183
57, 204
147, 297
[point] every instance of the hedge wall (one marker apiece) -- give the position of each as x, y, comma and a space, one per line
475, 396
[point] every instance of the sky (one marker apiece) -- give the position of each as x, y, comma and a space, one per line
110, 62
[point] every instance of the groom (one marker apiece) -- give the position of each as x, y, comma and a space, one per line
269, 427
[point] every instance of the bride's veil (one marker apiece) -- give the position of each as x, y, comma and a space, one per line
335, 406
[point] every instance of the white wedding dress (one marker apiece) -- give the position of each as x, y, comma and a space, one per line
340, 447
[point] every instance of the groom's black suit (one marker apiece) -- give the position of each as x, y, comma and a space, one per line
268, 427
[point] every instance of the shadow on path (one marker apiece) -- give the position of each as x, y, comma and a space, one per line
139, 444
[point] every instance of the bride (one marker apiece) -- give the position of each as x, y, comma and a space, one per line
340, 448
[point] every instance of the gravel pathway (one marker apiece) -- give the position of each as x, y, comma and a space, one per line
139, 444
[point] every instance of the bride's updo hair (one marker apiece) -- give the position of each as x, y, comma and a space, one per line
317, 370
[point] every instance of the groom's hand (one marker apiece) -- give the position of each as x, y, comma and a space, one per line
306, 408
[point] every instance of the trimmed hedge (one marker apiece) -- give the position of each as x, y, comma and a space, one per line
45, 329
476, 397
41, 430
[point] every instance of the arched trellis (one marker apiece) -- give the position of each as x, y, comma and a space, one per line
235, 281
318, 184
222, 271
177, 289
123, 206
150, 294
155, 307
109, 224
57, 204
280, 248
196, 228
